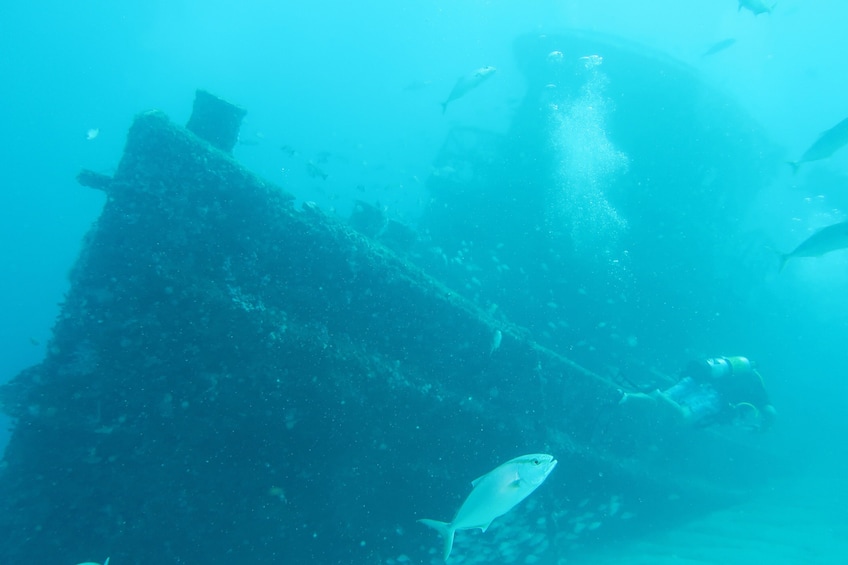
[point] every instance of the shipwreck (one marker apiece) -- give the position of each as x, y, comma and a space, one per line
234, 377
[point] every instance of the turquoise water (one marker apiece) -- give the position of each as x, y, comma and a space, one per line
651, 181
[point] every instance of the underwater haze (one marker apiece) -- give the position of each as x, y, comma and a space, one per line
619, 187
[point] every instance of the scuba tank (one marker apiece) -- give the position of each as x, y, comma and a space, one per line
723, 367
740, 365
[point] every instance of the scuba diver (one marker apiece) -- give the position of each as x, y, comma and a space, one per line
715, 391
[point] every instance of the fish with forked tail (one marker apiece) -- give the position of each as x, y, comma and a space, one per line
719, 46
494, 494
828, 143
756, 7
830, 238
468, 83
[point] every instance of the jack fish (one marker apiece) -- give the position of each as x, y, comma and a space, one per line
823, 241
757, 7
826, 145
468, 83
494, 494
719, 46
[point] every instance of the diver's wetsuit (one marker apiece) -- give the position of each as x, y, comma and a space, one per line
711, 389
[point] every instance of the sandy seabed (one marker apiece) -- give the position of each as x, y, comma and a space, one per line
803, 522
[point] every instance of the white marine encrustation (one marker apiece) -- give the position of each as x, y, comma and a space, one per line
494, 494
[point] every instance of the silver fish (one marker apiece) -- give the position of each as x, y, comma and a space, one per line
93, 563
718, 46
468, 83
826, 145
494, 494
757, 7
315, 171
830, 238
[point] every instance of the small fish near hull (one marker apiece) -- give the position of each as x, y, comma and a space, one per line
828, 143
830, 238
468, 83
494, 494
719, 46
756, 7
314, 171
